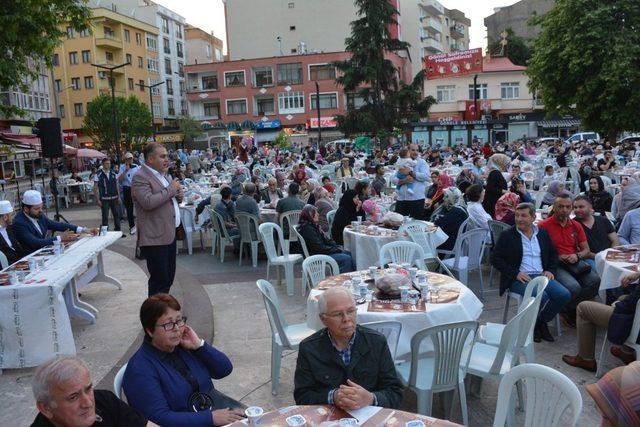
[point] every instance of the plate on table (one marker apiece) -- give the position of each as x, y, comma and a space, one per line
438, 279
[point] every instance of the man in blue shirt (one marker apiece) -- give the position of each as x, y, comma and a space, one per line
411, 203
629, 231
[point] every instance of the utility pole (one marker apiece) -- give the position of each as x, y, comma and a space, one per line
150, 87
318, 109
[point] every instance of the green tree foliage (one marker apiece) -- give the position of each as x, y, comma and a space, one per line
189, 128
282, 141
31, 30
586, 61
517, 48
388, 101
133, 118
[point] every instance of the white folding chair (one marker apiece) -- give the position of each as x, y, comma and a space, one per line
549, 394
117, 382
4, 262
461, 230
444, 371
286, 260
401, 252
391, 329
468, 256
630, 342
223, 235
189, 224
314, 269
418, 232
301, 242
248, 225
288, 221
283, 336
330, 216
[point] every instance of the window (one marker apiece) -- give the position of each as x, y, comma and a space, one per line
210, 82
167, 65
78, 109
292, 27
73, 58
291, 102
446, 93
127, 36
56, 59
108, 56
75, 83
167, 46
180, 69
182, 86
152, 44
140, 62
218, 54
510, 90
169, 85
262, 76
139, 38
322, 72
86, 56
234, 79
179, 31
141, 85
294, 50
61, 109
208, 49
179, 50
327, 100
58, 85
71, 33
88, 82
152, 65
171, 109
165, 25
290, 74
291, 5
481, 90
355, 100
212, 110
108, 32
84, 33
130, 83
128, 57
237, 107
157, 112
265, 106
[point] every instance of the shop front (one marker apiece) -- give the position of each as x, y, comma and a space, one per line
453, 132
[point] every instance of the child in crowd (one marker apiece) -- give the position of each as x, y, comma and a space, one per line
404, 166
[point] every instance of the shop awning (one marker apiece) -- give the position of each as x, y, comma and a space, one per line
569, 123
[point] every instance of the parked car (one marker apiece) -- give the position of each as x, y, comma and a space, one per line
635, 139
583, 136
342, 143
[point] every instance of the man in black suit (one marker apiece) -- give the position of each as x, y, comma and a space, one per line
523, 252
9, 245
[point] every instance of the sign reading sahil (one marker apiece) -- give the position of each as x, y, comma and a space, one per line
453, 64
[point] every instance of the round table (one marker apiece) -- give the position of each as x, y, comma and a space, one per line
612, 271
466, 307
329, 416
365, 246
268, 215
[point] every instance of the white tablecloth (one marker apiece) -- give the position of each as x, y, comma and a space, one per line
268, 215
467, 307
34, 321
365, 249
611, 272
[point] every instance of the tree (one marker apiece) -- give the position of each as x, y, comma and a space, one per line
388, 101
189, 128
31, 30
133, 118
282, 141
517, 48
586, 61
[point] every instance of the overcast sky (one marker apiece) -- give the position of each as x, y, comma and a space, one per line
209, 14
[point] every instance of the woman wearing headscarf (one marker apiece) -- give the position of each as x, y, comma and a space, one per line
324, 204
450, 215
318, 243
518, 186
298, 174
626, 182
349, 209
362, 189
629, 198
496, 183
555, 189
442, 182
506, 208
600, 198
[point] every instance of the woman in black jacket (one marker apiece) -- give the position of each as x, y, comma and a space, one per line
496, 184
349, 209
600, 198
318, 243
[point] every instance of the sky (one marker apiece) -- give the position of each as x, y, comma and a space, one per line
209, 14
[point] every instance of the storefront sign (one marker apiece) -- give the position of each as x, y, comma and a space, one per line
523, 117
169, 137
325, 122
453, 64
269, 124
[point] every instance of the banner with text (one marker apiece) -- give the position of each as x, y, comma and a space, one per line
453, 64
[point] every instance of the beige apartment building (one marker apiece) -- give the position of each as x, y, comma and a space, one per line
202, 47
262, 28
113, 40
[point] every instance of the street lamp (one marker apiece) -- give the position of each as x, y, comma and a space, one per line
112, 83
150, 87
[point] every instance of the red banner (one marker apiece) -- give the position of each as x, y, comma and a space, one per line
325, 122
483, 105
453, 64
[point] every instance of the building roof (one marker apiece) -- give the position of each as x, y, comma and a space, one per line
492, 65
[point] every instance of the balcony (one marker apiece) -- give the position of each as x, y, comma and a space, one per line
431, 24
432, 6
432, 45
455, 47
109, 40
107, 91
457, 31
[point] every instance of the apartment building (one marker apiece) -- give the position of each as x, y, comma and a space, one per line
516, 17
37, 101
202, 47
301, 26
113, 40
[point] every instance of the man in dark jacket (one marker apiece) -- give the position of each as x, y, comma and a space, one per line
9, 245
344, 364
524, 252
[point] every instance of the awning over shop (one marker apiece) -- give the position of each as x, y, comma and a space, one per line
569, 123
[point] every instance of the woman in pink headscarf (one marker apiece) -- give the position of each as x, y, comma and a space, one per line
442, 181
506, 208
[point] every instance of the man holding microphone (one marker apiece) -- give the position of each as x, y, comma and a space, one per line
158, 216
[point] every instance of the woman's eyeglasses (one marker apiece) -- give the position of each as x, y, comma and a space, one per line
170, 326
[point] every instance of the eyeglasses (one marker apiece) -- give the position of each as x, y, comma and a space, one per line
342, 314
170, 326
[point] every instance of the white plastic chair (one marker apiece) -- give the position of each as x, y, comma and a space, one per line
461, 230
283, 336
491, 332
468, 255
630, 341
442, 372
117, 382
401, 252
418, 232
391, 329
314, 269
4, 262
286, 260
549, 394
223, 234
288, 221
189, 224
301, 242
248, 225
330, 216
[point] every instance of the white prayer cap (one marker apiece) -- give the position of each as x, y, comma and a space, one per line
32, 198
5, 207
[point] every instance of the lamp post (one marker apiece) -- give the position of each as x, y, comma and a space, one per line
112, 84
150, 87
318, 109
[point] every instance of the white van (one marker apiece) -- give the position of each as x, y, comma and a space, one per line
583, 136
342, 143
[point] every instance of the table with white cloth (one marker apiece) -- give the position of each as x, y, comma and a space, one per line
465, 308
34, 315
612, 271
268, 215
365, 246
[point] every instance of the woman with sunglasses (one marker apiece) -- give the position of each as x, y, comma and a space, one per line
169, 378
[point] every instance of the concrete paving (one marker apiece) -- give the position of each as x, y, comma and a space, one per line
223, 304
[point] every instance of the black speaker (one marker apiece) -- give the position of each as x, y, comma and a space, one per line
50, 134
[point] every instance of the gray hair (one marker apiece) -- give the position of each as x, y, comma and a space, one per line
528, 206
150, 149
55, 371
322, 298
249, 188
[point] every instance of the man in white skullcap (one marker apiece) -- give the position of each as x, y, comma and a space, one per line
31, 226
9, 245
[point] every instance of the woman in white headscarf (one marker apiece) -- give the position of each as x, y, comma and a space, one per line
450, 215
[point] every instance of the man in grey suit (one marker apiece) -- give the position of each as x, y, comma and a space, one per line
158, 216
246, 202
